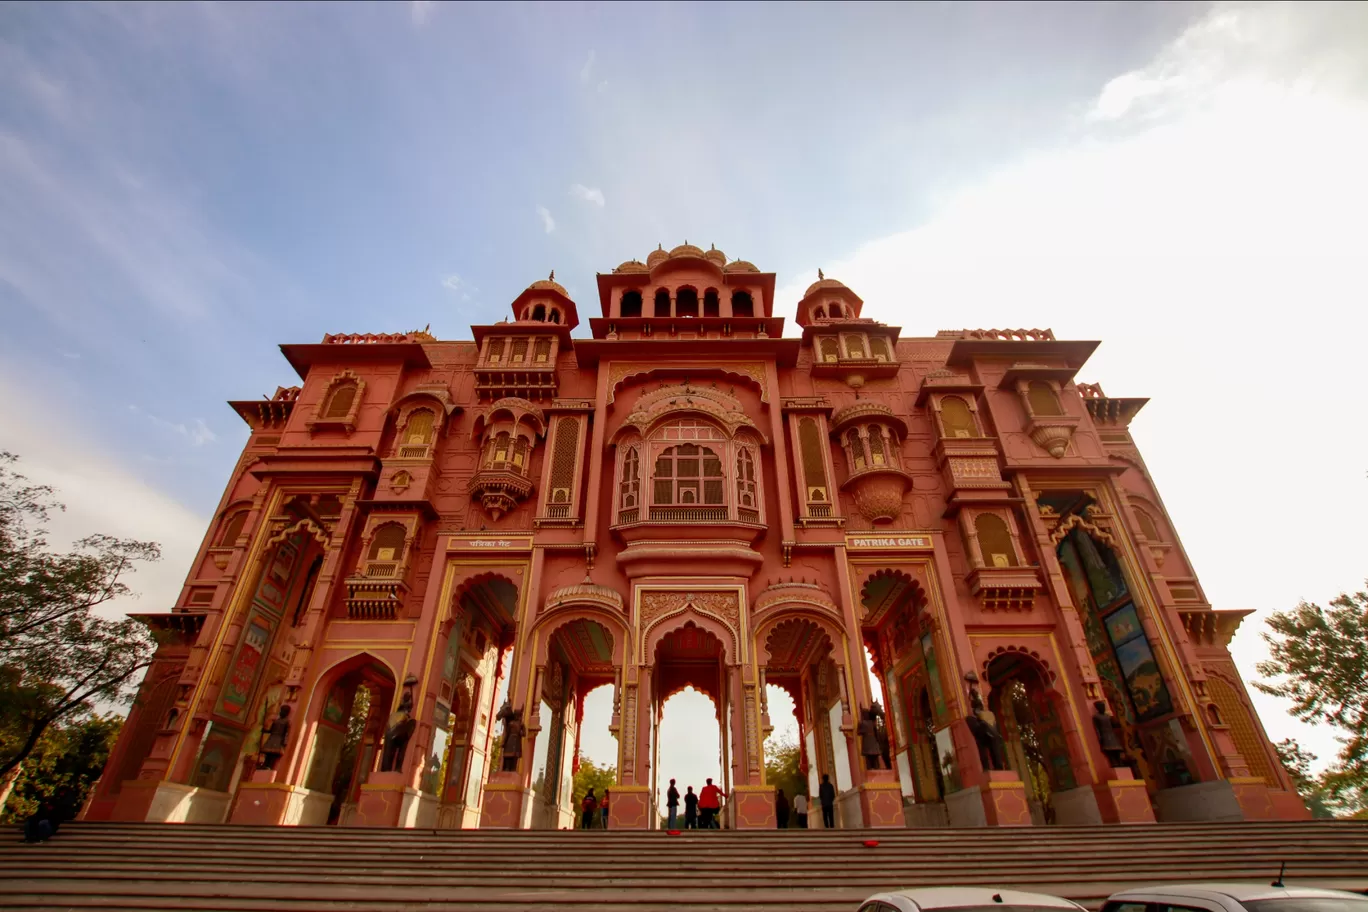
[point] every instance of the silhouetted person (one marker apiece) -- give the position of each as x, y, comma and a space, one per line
709, 804
781, 809
603, 809
827, 795
672, 803
800, 810
690, 810
587, 807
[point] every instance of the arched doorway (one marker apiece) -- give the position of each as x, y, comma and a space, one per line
689, 660
348, 738
1028, 717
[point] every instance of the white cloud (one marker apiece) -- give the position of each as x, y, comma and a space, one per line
587, 71
548, 223
589, 194
1207, 227
459, 286
197, 433
420, 10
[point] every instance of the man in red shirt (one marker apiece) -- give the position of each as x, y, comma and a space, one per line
708, 806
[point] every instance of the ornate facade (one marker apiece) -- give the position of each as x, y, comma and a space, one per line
690, 498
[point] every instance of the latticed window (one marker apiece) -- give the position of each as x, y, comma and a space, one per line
876, 447
519, 350
831, 351
418, 431
746, 495
340, 402
541, 352
500, 453
956, 418
629, 489
995, 541
688, 474
814, 470
520, 452
496, 349
855, 346
232, 528
563, 459
856, 447
1043, 399
879, 347
1242, 730
388, 543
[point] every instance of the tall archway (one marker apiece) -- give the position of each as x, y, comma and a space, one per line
689, 661
1027, 711
356, 697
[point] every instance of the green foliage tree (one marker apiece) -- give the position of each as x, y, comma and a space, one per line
63, 767
1318, 659
58, 657
592, 776
1298, 762
782, 770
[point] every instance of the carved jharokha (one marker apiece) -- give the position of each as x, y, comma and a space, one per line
919, 540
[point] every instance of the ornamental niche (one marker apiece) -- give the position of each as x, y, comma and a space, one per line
508, 432
871, 436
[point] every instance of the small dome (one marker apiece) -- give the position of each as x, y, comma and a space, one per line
549, 284
740, 266
716, 257
632, 266
687, 250
821, 284
657, 256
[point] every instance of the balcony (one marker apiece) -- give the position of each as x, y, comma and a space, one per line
678, 524
500, 486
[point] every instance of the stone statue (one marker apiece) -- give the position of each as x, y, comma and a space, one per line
397, 733
277, 733
983, 726
1105, 726
869, 739
512, 736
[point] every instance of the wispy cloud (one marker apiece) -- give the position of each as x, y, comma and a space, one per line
459, 286
420, 10
587, 71
197, 433
589, 194
548, 223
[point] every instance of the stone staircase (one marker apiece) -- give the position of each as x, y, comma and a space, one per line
185, 866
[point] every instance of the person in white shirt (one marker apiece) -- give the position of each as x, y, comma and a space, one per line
800, 809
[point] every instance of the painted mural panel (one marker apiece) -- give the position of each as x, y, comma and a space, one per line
928, 645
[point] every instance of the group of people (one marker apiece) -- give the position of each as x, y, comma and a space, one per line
826, 799
594, 810
701, 811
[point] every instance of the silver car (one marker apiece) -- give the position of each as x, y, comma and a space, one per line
967, 899
1234, 897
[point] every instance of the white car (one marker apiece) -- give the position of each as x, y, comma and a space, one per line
967, 899
1234, 897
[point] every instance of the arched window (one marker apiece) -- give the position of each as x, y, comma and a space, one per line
876, 446
520, 453
388, 543
340, 402
631, 304
496, 350
555, 316
995, 541
418, 431
814, 469
957, 420
711, 306
688, 474
879, 348
830, 349
232, 528
501, 442
539, 314
746, 493
541, 351
855, 446
742, 305
686, 302
629, 488
1147, 526
819, 313
855, 346
662, 302
519, 350
1043, 399
836, 311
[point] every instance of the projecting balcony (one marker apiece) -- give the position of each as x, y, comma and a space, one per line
675, 522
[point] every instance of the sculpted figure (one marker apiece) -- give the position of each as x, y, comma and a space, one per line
1105, 726
983, 726
277, 734
512, 736
397, 733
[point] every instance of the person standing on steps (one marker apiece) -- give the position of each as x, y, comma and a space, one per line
827, 794
781, 809
800, 810
708, 805
588, 807
672, 803
690, 810
603, 808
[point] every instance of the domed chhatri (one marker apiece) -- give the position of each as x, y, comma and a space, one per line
685, 494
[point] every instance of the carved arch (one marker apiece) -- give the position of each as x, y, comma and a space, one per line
752, 374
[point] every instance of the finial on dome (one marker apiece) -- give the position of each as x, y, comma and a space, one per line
712, 246
552, 277
820, 277
660, 246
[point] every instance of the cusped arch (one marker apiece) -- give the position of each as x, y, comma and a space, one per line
680, 618
790, 617
751, 374
782, 598
474, 583
516, 410
1029, 656
546, 627
888, 589
315, 531
657, 407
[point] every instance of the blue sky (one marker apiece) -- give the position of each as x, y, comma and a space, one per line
184, 186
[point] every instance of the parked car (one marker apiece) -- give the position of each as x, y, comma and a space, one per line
1234, 897
966, 899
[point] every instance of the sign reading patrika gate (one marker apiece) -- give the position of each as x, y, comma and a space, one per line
889, 542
